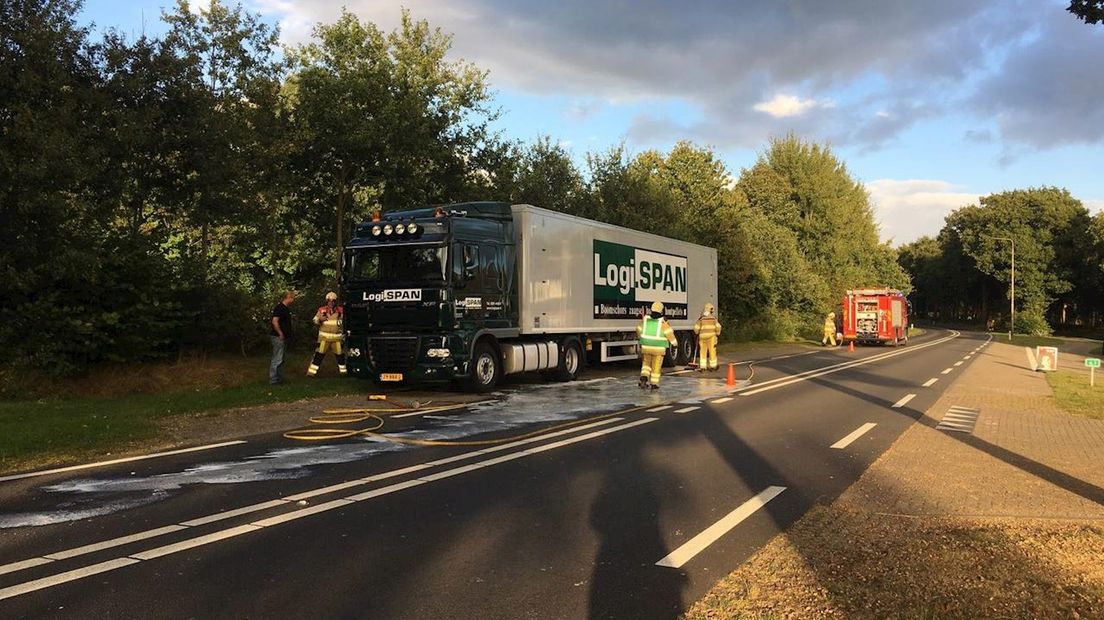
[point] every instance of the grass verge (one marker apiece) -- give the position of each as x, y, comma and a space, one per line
840, 563
33, 432
1029, 341
1073, 394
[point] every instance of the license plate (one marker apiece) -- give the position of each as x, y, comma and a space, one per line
391, 376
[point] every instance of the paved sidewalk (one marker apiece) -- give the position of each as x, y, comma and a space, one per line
1025, 458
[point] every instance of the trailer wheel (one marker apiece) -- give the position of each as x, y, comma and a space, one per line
485, 369
685, 349
571, 360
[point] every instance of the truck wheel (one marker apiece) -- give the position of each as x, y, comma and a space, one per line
485, 369
571, 360
685, 348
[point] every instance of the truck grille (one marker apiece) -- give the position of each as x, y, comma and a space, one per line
393, 354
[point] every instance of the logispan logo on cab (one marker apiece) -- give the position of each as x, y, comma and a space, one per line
396, 294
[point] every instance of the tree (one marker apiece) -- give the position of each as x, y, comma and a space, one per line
547, 177
805, 189
1047, 225
1088, 11
229, 79
384, 111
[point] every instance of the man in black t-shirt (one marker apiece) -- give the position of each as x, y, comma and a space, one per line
280, 333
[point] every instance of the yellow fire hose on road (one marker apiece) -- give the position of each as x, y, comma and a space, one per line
353, 416
376, 418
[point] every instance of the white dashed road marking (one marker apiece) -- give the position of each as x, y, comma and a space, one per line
904, 401
855, 434
710, 535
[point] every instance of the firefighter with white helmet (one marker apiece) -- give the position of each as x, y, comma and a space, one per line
656, 336
708, 329
329, 320
829, 330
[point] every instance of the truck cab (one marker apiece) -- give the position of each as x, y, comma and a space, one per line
422, 285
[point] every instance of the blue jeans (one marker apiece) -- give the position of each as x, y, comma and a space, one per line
276, 367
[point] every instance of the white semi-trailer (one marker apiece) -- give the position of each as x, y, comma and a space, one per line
474, 291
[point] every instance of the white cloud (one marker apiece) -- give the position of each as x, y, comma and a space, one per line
911, 208
783, 106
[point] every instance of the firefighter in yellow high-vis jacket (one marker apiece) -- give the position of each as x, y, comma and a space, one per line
329, 319
829, 330
708, 329
656, 336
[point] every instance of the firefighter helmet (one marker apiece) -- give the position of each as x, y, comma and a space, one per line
331, 296
709, 309
657, 307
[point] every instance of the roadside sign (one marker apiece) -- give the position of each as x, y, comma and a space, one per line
1093, 363
1048, 358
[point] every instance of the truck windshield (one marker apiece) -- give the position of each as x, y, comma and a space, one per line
396, 263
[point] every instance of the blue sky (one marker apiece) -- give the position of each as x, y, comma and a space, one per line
929, 103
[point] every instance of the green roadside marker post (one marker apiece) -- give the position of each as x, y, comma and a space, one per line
1092, 363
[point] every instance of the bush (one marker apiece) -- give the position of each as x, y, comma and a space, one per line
1032, 324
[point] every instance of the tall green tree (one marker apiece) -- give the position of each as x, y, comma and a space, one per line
1048, 226
385, 112
805, 188
228, 85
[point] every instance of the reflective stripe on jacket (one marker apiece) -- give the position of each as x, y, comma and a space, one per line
707, 327
329, 321
655, 333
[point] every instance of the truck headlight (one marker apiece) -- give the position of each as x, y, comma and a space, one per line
412, 228
437, 352
400, 229
376, 230
388, 229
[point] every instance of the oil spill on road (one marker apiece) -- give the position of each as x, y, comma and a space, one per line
535, 405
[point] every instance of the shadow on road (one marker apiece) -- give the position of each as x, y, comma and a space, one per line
622, 551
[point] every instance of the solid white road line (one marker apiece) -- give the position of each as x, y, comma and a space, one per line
946, 371
721, 401
197, 541
697, 544
827, 370
228, 514
60, 578
128, 459
904, 401
930, 382
687, 409
114, 542
31, 563
660, 408
855, 434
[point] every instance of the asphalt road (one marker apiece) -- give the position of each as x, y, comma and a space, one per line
624, 515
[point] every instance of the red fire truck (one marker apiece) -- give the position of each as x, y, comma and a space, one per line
875, 315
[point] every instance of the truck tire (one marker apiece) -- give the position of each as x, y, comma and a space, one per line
571, 360
685, 348
485, 369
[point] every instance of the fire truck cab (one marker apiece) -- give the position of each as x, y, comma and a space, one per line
875, 316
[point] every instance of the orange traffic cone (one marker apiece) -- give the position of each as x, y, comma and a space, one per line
731, 380
851, 346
